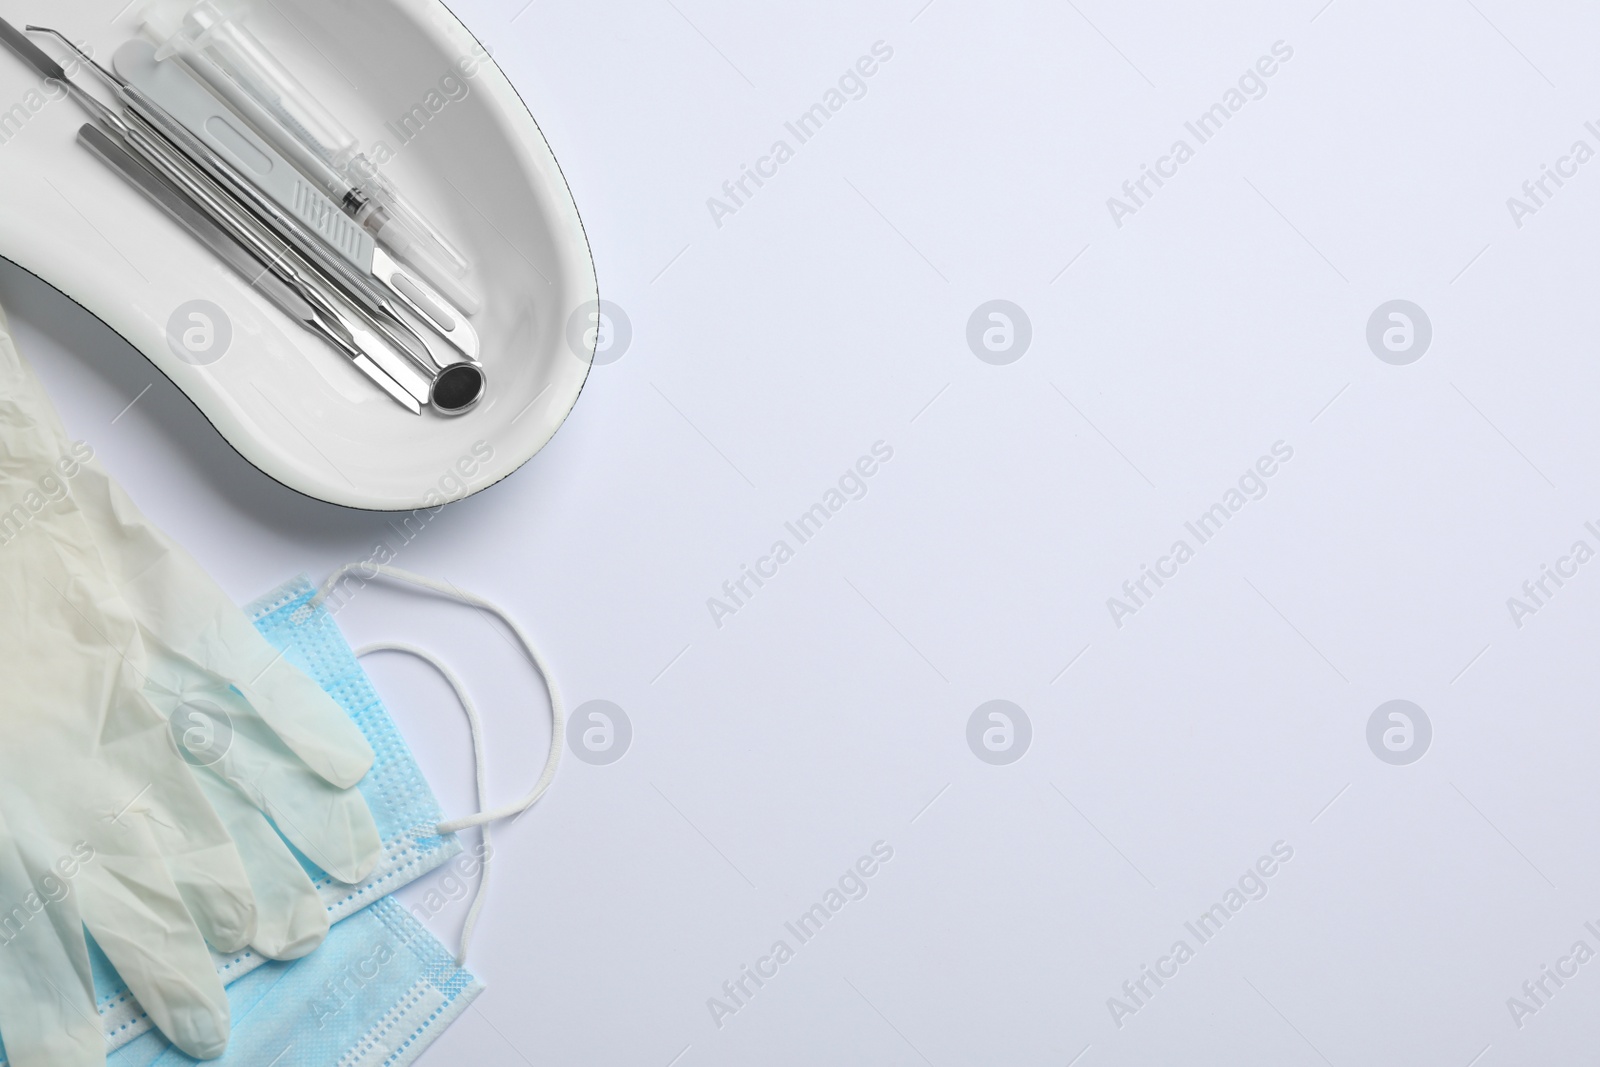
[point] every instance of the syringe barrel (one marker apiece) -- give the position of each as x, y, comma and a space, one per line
216, 32
212, 38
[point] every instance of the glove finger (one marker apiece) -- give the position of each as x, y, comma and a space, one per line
47, 1003
133, 909
187, 615
291, 917
201, 855
295, 706
332, 827
308, 720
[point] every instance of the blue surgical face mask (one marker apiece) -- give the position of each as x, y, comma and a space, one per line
380, 988
402, 804
377, 993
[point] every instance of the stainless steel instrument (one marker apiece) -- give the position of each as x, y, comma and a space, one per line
252, 168
310, 282
281, 285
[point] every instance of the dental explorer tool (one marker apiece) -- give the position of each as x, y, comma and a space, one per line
394, 371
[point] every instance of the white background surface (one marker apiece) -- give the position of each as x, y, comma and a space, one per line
830, 712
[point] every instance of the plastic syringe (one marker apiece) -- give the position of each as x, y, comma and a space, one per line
212, 39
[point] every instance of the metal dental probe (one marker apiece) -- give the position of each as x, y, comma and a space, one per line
366, 287
456, 385
299, 304
399, 379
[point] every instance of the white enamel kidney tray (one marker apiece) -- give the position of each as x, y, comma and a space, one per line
478, 168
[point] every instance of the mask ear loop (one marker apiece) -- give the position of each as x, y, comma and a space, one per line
474, 723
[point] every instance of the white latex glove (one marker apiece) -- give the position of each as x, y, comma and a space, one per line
107, 632
293, 754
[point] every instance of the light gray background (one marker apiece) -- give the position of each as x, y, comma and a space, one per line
831, 712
